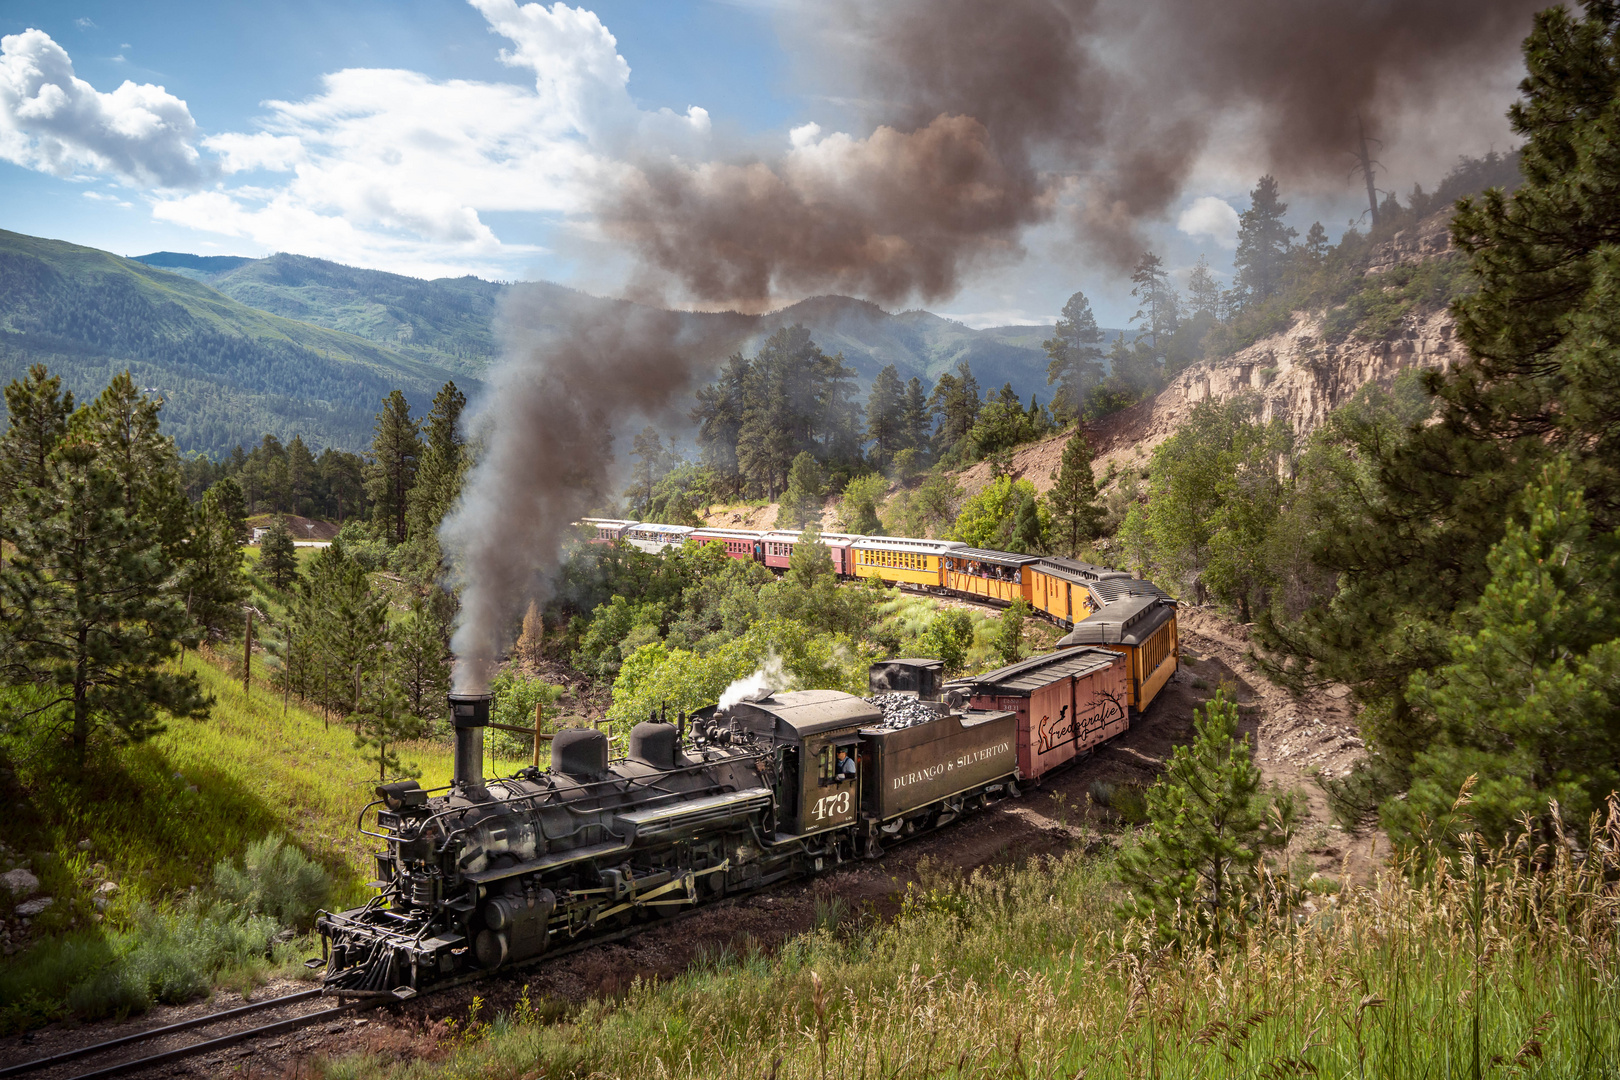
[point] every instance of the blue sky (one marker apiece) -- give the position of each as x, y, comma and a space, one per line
438, 137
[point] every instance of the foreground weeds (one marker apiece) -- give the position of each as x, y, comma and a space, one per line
1465, 971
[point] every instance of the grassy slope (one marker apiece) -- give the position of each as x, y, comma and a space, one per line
228, 372
1027, 973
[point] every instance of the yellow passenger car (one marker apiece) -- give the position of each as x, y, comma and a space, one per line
1143, 627
903, 561
1062, 588
980, 574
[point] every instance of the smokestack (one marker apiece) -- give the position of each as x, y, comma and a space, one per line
469, 714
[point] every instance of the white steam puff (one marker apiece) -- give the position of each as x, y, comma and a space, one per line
771, 676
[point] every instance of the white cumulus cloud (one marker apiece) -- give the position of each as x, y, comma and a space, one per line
381, 167
1211, 217
54, 121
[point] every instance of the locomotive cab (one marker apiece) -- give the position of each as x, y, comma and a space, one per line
818, 754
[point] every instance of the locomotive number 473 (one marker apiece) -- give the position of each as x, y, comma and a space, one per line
832, 805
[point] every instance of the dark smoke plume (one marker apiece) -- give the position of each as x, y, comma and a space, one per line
544, 433
985, 118
983, 114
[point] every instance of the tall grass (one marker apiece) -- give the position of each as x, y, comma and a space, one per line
1467, 972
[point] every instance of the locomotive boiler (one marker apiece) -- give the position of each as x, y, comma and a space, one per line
487, 873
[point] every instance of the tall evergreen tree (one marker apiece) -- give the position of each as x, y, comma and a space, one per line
651, 463
1528, 703
89, 619
123, 424
345, 627
396, 450
421, 662
1076, 513
278, 555
885, 417
301, 476
438, 483
1263, 242
1210, 823
916, 422
1075, 356
1203, 291
1408, 520
1157, 315
806, 490
955, 401
38, 409
210, 582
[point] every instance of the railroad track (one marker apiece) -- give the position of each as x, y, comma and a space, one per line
282, 1026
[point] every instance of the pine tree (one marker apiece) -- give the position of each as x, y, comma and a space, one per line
89, 619
345, 627
1074, 357
278, 555
301, 476
806, 490
651, 463
885, 417
916, 421
123, 424
1203, 291
1076, 513
396, 450
1192, 876
38, 410
1263, 242
1409, 514
210, 583
955, 401
1158, 315
1529, 701
421, 661
438, 485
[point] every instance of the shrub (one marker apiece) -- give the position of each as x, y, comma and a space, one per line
275, 879
171, 957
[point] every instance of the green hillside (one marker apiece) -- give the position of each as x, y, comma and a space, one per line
449, 322
228, 372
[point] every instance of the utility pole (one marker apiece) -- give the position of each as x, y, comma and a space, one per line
247, 653
1367, 173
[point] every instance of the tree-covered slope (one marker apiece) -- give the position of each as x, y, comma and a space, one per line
450, 322
228, 372
447, 322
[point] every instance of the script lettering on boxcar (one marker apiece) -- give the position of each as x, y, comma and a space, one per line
962, 761
1054, 733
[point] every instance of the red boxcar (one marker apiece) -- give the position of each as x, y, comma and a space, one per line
1067, 703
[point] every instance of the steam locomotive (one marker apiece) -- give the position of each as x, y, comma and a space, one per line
485, 874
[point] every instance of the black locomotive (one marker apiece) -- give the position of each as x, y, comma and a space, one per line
487, 873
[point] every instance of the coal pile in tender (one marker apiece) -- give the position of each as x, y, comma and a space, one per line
903, 710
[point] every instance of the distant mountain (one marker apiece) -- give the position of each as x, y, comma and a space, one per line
228, 372
449, 322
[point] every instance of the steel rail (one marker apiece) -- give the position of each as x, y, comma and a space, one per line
157, 1033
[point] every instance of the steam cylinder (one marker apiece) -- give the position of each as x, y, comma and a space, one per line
469, 715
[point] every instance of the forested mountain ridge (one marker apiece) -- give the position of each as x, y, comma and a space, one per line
228, 373
450, 322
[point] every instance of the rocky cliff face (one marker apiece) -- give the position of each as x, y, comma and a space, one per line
1297, 375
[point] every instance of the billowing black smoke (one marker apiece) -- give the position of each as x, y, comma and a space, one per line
542, 433
986, 115
985, 119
